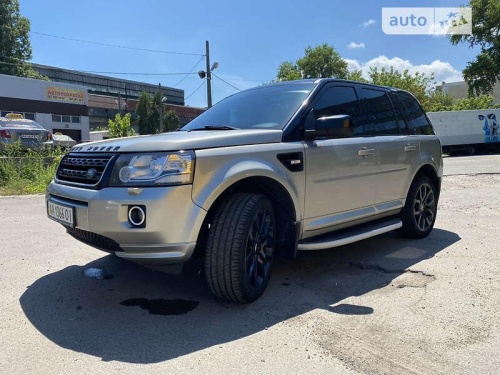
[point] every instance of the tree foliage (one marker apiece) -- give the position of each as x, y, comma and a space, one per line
477, 102
143, 111
120, 126
321, 61
148, 113
438, 100
15, 47
482, 74
170, 121
356, 75
154, 118
288, 71
420, 85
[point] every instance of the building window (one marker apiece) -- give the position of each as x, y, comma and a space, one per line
65, 118
29, 116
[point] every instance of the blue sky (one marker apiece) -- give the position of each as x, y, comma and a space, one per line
249, 39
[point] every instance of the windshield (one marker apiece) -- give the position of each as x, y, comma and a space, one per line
267, 107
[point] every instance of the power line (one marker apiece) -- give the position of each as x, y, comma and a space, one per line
117, 46
136, 73
227, 83
199, 87
115, 73
193, 68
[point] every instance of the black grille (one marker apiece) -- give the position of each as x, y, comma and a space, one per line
96, 240
83, 170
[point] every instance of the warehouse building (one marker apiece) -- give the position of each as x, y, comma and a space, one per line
58, 107
108, 96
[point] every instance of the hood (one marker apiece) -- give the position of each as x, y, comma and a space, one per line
183, 140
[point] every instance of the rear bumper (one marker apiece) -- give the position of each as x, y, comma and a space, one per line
169, 236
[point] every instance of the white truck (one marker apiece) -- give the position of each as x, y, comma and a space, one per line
467, 131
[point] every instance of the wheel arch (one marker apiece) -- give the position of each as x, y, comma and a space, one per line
284, 205
430, 171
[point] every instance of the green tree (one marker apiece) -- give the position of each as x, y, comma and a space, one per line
15, 47
321, 61
418, 84
154, 117
148, 113
438, 100
120, 126
143, 111
477, 102
288, 71
356, 75
482, 74
170, 121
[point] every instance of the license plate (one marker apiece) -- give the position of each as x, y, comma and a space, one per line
62, 214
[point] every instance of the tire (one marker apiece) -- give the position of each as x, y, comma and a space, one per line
419, 213
240, 248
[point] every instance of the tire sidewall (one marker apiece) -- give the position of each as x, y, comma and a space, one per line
252, 292
410, 227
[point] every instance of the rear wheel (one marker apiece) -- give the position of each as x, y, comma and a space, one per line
240, 248
419, 212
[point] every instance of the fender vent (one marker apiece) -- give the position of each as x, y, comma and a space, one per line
293, 161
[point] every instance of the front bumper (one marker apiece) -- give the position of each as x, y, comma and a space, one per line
173, 221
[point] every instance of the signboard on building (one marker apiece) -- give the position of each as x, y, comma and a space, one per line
66, 95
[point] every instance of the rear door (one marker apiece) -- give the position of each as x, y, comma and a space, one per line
341, 169
398, 150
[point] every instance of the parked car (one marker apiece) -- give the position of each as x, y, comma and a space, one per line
300, 165
64, 141
31, 134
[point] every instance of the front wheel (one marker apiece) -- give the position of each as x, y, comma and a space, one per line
240, 248
419, 213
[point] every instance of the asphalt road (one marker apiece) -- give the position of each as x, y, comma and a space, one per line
382, 306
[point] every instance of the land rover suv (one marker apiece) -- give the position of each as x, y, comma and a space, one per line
300, 165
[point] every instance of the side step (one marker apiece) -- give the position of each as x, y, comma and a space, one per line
350, 236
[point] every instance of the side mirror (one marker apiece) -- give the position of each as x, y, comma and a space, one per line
336, 126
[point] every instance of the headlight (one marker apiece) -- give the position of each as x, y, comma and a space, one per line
153, 169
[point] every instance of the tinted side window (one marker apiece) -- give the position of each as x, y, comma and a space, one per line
380, 116
403, 129
414, 115
341, 100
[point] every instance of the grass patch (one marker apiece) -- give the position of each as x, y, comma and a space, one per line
26, 172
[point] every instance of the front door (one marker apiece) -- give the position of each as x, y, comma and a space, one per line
340, 171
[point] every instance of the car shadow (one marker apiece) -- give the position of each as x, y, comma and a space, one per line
119, 311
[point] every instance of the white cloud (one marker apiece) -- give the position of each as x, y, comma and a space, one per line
370, 22
353, 45
443, 71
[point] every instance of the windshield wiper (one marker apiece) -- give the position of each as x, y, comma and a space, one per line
216, 127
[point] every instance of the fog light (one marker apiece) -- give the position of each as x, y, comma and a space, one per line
137, 216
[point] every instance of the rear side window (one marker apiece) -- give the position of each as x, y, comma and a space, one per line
341, 100
414, 115
380, 116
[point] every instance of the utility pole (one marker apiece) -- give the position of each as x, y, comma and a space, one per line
209, 77
161, 108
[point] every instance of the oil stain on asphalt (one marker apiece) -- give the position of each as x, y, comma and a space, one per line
162, 306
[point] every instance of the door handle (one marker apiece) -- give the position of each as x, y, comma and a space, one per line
366, 151
410, 148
